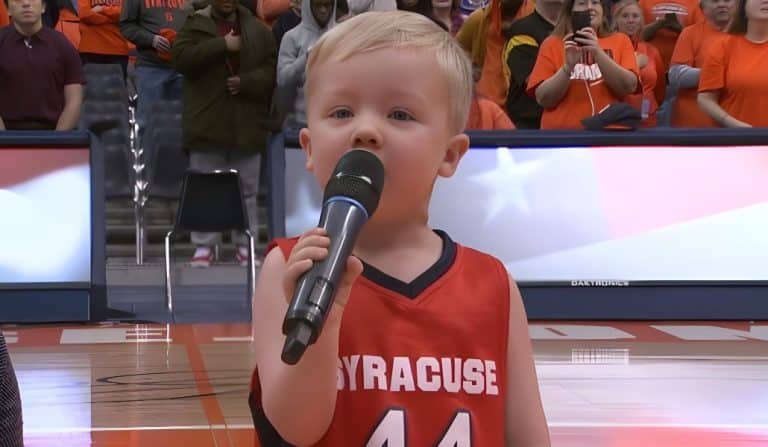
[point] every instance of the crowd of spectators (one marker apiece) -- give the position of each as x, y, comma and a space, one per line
237, 66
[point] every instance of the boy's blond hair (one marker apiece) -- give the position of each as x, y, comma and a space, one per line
400, 29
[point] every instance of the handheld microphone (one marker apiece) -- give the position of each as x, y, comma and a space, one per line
350, 198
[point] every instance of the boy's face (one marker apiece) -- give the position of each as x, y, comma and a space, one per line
394, 103
321, 11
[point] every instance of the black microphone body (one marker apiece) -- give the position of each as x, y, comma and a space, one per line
351, 197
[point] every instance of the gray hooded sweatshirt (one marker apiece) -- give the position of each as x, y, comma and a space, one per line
291, 62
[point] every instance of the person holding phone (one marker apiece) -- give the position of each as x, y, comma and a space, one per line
582, 68
665, 20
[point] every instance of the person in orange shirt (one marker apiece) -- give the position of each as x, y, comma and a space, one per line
628, 19
665, 20
485, 114
579, 74
100, 39
688, 58
483, 37
4, 18
68, 22
733, 89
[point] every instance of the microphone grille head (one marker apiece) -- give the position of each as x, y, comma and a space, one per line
358, 175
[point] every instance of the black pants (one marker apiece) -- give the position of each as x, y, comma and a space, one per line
92, 58
10, 402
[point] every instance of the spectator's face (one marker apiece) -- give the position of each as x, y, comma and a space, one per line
629, 20
321, 11
224, 7
595, 8
756, 9
394, 103
408, 4
26, 12
718, 11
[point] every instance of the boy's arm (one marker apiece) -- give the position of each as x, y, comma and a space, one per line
298, 400
526, 424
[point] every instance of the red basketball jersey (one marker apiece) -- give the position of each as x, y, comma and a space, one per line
421, 364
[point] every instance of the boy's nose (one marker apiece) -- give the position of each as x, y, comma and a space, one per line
366, 136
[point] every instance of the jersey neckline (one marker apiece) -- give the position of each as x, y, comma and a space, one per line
414, 288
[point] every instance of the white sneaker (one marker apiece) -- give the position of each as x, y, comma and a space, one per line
203, 257
241, 255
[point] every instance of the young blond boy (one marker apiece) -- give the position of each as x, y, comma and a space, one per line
427, 342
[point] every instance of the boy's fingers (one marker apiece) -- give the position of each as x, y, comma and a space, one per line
308, 253
314, 239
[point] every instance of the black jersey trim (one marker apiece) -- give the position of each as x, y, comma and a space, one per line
414, 288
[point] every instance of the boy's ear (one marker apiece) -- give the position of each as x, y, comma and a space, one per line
306, 145
457, 147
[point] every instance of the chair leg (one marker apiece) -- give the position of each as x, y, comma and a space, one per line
168, 287
251, 270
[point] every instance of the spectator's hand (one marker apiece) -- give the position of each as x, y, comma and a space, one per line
588, 40
233, 85
671, 22
313, 246
233, 42
642, 60
732, 122
97, 8
160, 43
572, 52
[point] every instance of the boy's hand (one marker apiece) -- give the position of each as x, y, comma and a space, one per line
313, 246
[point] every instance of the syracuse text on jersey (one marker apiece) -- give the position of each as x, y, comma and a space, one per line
423, 374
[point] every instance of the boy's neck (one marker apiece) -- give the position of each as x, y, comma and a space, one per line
404, 252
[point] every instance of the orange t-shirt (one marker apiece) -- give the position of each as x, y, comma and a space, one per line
69, 25
734, 66
4, 19
588, 94
688, 12
691, 48
269, 10
485, 114
99, 33
649, 77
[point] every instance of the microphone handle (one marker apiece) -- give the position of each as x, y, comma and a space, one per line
315, 291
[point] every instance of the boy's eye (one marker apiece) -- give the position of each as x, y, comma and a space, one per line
400, 115
341, 114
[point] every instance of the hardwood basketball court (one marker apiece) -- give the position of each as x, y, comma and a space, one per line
614, 384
